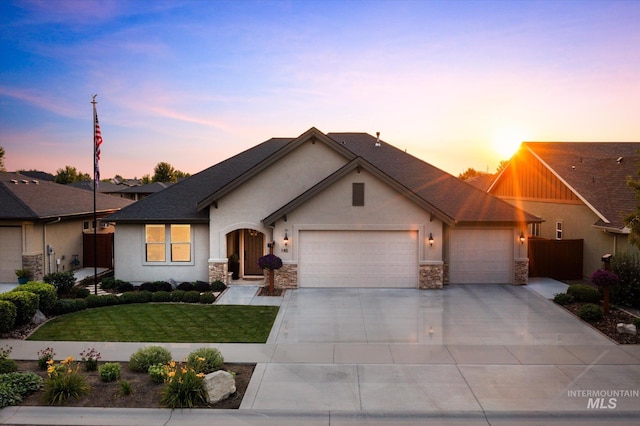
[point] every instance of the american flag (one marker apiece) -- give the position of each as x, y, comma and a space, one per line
98, 141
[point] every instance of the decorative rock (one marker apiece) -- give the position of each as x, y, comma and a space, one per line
38, 318
219, 385
174, 284
626, 328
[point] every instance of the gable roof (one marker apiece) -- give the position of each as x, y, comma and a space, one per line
24, 198
596, 172
442, 194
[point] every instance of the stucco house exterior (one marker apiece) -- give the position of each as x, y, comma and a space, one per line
342, 209
42, 225
580, 191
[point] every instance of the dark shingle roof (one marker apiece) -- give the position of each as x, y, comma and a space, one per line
24, 198
597, 172
455, 201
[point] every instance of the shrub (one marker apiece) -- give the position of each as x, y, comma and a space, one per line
604, 278
83, 293
584, 293
164, 286
207, 298
205, 360
109, 371
47, 295
62, 281
590, 312
563, 298
8, 313
145, 357
627, 292
636, 322
152, 287
158, 373
185, 286
161, 296
125, 287
184, 388
64, 382
26, 305
201, 286
136, 297
125, 388
191, 297
218, 286
177, 295
66, 306
269, 261
8, 365
15, 386
90, 358
109, 283
95, 301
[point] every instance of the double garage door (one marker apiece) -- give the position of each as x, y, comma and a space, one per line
386, 259
481, 256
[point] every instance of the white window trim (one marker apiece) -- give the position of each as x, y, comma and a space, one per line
167, 246
559, 230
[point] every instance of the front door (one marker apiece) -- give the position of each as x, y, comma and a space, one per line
253, 249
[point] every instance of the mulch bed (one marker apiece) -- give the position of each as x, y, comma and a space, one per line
264, 291
146, 394
607, 325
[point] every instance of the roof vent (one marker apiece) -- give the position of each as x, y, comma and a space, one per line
619, 160
25, 181
378, 139
573, 167
14, 181
35, 181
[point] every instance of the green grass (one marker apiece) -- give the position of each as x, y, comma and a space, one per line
154, 322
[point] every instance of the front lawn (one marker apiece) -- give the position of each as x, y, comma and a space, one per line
159, 322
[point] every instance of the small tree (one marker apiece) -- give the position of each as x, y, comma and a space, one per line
270, 262
632, 220
604, 279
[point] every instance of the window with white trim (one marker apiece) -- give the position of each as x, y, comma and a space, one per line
535, 229
558, 230
164, 242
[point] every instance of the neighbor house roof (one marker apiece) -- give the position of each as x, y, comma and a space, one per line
25, 198
596, 172
442, 194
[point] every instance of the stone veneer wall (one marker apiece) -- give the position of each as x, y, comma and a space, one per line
431, 276
218, 271
521, 268
285, 277
34, 263
445, 273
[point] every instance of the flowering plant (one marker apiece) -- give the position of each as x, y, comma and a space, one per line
44, 356
604, 278
90, 359
5, 351
184, 387
63, 381
270, 261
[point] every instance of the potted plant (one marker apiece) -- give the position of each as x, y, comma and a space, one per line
23, 275
234, 266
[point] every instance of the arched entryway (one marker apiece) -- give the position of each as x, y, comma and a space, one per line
248, 245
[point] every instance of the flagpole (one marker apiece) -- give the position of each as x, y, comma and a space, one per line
95, 183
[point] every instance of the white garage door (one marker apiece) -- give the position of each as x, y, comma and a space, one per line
358, 259
10, 253
481, 256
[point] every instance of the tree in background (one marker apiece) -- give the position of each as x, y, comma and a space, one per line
165, 172
69, 175
470, 173
632, 220
2, 168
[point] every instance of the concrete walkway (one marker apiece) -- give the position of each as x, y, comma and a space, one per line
464, 355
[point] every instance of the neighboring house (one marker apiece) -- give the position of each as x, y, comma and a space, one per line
130, 189
580, 191
42, 225
342, 210
482, 182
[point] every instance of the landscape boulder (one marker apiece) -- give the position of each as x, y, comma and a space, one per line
38, 318
626, 328
220, 385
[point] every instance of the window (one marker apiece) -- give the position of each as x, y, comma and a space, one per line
358, 194
155, 247
535, 229
180, 243
161, 238
558, 230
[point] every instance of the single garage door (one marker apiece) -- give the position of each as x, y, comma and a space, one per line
10, 253
481, 256
358, 259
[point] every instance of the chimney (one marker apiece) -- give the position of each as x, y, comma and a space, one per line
378, 139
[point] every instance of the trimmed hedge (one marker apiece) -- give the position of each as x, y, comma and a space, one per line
67, 306
218, 286
136, 297
590, 312
201, 286
125, 287
26, 305
8, 313
47, 294
95, 301
207, 298
83, 293
584, 293
185, 286
62, 281
563, 298
191, 297
161, 296
177, 295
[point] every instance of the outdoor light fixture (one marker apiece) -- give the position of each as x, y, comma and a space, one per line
430, 239
286, 239
522, 237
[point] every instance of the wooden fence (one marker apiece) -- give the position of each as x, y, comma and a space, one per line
557, 259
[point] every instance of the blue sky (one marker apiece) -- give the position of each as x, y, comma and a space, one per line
455, 83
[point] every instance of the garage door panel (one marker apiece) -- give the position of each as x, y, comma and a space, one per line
481, 256
10, 253
358, 259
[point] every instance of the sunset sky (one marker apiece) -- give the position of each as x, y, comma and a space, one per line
456, 83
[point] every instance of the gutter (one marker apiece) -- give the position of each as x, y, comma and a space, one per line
44, 243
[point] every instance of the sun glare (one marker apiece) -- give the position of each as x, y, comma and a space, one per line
506, 141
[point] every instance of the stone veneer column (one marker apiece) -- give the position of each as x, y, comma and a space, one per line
285, 277
218, 271
521, 268
431, 276
33, 263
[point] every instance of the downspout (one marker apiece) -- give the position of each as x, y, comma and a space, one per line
44, 244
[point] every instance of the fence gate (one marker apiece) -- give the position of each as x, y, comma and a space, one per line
104, 243
557, 259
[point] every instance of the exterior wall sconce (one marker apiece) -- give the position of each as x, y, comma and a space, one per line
286, 242
430, 239
522, 237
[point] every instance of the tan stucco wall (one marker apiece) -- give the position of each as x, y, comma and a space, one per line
578, 223
130, 257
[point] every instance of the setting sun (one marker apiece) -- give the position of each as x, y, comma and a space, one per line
507, 140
